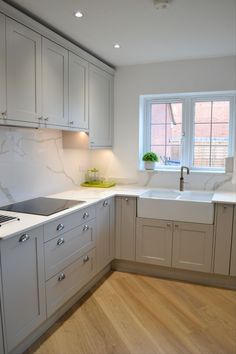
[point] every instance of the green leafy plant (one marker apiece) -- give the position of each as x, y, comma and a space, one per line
150, 156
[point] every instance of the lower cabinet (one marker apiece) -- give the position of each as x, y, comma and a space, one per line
192, 246
177, 244
154, 241
69, 281
223, 237
105, 237
23, 285
126, 211
233, 250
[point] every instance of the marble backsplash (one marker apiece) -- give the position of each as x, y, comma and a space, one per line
33, 163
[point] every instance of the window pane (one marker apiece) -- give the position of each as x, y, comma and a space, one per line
158, 134
220, 112
202, 112
218, 154
173, 134
202, 134
166, 132
211, 133
201, 156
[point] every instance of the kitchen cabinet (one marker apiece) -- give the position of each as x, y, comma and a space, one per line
223, 237
78, 92
233, 250
192, 246
55, 83
69, 281
154, 241
126, 211
23, 287
101, 86
2, 68
23, 73
1, 333
105, 216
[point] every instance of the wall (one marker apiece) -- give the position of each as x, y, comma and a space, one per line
33, 163
214, 74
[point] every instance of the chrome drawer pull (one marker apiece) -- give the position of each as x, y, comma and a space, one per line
61, 277
86, 215
85, 228
105, 203
60, 241
86, 259
24, 238
60, 227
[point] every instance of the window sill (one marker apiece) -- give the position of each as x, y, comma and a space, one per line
163, 170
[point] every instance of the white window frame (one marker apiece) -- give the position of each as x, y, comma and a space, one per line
188, 100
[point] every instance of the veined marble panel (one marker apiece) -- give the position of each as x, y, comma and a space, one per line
33, 163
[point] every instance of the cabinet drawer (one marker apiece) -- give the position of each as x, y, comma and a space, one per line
68, 222
65, 249
64, 285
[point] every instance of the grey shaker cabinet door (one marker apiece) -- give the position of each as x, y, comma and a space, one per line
154, 241
101, 91
24, 65
223, 236
78, 92
2, 67
23, 282
192, 246
55, 83
125, 228
233, 250
105, 232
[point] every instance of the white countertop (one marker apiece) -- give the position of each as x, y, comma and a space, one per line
90, 196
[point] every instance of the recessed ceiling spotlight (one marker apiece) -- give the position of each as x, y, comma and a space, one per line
161, 4
78, 14
116, 46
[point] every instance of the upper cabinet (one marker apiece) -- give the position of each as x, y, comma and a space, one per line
2, 67
23, 53
55, 83
78, 92
101, 86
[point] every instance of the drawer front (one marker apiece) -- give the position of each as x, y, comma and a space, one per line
68, 222
67, 283
65, 249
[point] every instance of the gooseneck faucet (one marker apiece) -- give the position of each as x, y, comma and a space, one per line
181, 180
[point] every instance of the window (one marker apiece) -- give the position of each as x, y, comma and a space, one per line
196, 130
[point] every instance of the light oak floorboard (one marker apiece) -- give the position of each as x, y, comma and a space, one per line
136, 314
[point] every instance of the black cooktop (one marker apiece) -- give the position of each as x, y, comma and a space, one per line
42, 206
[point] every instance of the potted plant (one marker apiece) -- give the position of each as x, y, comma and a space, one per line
150, 159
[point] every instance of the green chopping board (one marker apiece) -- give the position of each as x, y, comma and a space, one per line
100, 184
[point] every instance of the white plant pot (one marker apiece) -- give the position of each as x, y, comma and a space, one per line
149, 165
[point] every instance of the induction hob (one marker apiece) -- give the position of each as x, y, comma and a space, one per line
42, 206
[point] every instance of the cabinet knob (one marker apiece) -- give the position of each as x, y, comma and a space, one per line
61, 277
85, 228
105, 203
46, 119
86, 259
176, 226
60, 227
86, 215
60, 241
24, 238
40, 118
126, 199
71, 122
4, 115
168, 225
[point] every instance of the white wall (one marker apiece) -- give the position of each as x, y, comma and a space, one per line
215, 74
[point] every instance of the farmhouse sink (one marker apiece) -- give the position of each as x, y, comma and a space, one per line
188, 206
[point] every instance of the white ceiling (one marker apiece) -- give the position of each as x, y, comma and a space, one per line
186, 29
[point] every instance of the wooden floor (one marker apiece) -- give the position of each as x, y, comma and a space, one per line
142, 315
